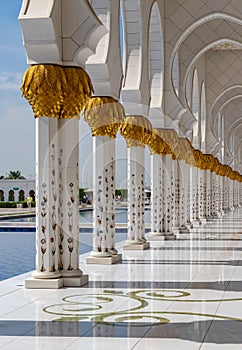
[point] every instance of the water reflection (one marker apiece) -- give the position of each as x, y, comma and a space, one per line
86, 216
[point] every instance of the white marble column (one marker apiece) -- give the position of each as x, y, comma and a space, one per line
217, 195
184, 185
226, 194
213, 195
47, 274
222, 197
157, 193
136, 207
195, 197
188, 195
68, 205
240, 194
104, 251
175, 207
236, 203
167, 199
208, 195
202, 194
231, 195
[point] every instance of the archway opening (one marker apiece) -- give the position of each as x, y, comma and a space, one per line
203, 119
175, 74
1, 196
195, 109
32, 194
21, 196
156, 57
11, 197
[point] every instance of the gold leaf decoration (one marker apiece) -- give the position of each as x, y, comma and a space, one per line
104, 115
186, 151
171, 138
199, 159
137, 131
56, 91
157, 144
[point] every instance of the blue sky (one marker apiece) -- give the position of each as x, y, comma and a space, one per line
17, 133
17, 124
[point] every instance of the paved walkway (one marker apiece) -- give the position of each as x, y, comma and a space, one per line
184, 294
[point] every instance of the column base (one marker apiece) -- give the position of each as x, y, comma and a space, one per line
176, 231
136, 246
56, 283
169, 236
155, 236
109, 260
75, 281
196, 223
185, 229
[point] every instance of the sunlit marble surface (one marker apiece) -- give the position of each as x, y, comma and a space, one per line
183, 294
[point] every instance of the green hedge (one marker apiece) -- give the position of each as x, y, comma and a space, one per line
14, 204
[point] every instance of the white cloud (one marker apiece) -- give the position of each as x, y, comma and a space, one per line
10, 81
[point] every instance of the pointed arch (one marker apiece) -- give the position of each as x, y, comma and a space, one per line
175, 74
203, 118
156, 57
21, 195
1, 196
105, 66
195, 108
188, 90
11, 197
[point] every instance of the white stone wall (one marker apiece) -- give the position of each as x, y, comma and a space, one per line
18, 185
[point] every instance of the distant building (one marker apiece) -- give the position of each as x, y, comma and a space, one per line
16, 190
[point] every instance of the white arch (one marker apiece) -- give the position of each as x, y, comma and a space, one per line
156, 57
188, 94
237, 124
133, 39
203, 51
195, 108
176, 75
203, 117
105, 71
196, 24
195, 94
236, 94
223, 93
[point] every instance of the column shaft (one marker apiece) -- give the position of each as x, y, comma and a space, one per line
136, 207
103, 197
46, 199
156, 195
195, 196
68, 130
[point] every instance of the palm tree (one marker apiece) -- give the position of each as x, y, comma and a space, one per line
15, 175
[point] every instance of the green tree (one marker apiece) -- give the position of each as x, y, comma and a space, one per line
81, 193
15, 175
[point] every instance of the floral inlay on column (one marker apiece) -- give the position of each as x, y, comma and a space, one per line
43, 224
104, 115
137, 131
55, 93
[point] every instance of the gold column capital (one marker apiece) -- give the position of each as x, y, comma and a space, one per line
137, 131
56, 91
104, 115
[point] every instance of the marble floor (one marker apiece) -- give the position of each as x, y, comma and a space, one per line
183, 294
